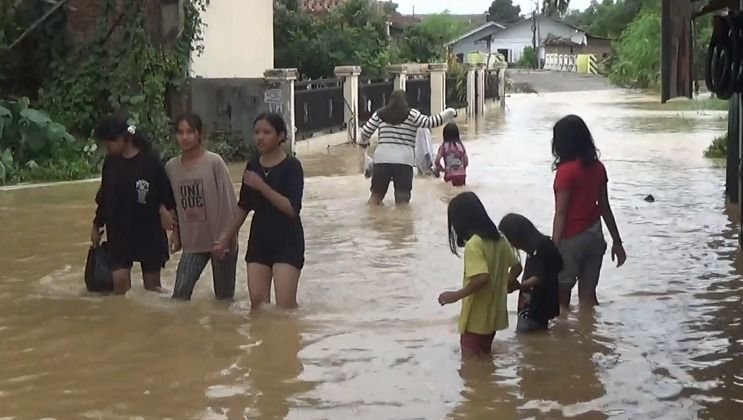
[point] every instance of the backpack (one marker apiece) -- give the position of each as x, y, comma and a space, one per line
98, 275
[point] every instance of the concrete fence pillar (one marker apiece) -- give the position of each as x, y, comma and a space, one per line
481, 75
279, 98
471, 89
350, 76
400, 72
438, 87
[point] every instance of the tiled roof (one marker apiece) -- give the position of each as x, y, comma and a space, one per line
320, 5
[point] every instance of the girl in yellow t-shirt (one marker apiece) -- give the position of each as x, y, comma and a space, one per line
491, 268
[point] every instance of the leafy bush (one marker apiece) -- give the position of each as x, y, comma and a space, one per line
528, 59
231, 148
718, 149
638, 53
32, 144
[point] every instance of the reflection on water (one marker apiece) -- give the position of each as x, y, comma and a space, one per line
370, 341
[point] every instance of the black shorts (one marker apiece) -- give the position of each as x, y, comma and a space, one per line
150, 265
269, 249
400, 175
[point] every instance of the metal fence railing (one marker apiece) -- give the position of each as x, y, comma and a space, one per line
373, 95
318, 106
419, 94
456, 92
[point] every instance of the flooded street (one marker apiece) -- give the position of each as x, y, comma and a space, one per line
370, 340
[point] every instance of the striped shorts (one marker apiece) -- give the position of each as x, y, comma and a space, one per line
192, 265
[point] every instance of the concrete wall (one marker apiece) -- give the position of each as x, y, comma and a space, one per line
229, 105
517, 37
238, 39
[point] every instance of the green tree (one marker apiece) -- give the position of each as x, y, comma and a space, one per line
424, 42
638, 53
504, 11
353, 33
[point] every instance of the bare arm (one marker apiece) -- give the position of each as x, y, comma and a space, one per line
531, 282
513, 274
473, 286
279, 201
439, 156
608, 216
562, 200
235, 226
433, 121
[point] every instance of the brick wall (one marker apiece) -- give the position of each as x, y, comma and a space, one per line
82, 17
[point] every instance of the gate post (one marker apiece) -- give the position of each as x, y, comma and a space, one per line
279, 98
480, 108
438, 87
350, 75
400, 71
471, 89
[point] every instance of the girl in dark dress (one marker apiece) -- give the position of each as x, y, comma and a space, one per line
272, 188
538, 297
135, 204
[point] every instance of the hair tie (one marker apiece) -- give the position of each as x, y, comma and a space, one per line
131, 129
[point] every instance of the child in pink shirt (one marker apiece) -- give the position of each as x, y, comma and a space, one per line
454, 154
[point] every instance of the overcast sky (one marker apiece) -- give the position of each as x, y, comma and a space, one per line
468, 6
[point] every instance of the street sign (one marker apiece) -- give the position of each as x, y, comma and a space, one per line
273, 97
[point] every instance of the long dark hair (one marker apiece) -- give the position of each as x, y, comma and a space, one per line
276, 121
112, 128
467, 217
572, 140
519, 231
193, 120
397, 110
451, 134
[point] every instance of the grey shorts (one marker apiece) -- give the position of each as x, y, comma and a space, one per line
582, 256
191, 266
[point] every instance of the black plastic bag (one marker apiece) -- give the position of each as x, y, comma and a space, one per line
98, 274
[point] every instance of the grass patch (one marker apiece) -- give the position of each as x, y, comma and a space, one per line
681, 104
718, 149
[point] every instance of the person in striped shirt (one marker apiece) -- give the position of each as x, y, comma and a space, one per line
394, 157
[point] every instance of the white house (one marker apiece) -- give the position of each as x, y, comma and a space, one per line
510, 41
238, 39
476, 40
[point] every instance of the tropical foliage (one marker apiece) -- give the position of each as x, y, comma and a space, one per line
356, 33
116, 69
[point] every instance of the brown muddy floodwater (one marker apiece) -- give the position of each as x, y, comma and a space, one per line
370, 341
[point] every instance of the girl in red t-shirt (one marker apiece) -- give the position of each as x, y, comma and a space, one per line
581, 201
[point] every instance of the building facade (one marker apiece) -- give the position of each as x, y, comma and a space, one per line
238, 40
547, 33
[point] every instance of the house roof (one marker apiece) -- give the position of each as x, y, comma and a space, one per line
487, 26
315, 6
558, 21
558, 41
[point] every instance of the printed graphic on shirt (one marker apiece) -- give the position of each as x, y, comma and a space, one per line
192, 200
524, 304
143, 187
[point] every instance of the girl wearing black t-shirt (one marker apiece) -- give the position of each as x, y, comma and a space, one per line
538, 297
135, 201
272, 189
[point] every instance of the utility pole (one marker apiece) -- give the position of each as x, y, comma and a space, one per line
535, 64
535, 35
